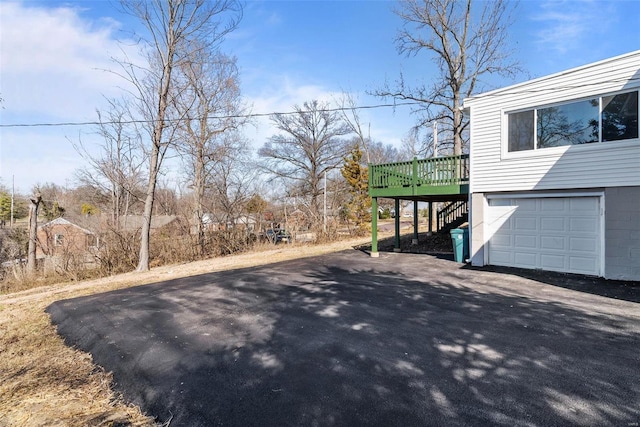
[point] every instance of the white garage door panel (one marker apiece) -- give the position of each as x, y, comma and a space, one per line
584, 205
588, 225
583, 265
524, 224
552, 262
552, 243
527, 205
552, 233
550, 205
578, 244
503, 241
525, 241
501, 257
552, 224
526, 259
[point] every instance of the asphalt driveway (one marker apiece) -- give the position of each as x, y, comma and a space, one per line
349, 340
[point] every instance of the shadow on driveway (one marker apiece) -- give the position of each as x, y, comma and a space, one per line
348, 340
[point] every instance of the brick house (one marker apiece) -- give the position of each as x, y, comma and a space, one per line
61, 243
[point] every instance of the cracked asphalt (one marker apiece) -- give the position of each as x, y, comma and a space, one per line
349, 340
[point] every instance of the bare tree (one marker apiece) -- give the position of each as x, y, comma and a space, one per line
173, 27
233, 178
211, 95
309, 145
383, 153
117, 171
464, 45
413, 146
349, 110
166, 202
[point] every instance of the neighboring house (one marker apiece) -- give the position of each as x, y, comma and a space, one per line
555, 172
165, 224
61, 242
247, 222
217, 222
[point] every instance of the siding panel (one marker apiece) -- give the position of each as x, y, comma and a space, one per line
609, 164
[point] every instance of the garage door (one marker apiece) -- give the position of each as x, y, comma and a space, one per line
550, 233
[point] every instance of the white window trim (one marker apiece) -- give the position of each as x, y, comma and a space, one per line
556, 151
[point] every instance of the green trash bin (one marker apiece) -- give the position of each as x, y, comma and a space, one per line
460, 240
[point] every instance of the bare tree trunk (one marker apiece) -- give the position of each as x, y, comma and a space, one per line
33, 234
199, 181
157, 144
143, 260
458, 126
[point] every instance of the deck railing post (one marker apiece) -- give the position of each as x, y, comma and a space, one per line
414, 175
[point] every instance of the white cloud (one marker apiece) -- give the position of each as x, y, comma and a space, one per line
54, 62
52, 70
281, 96
567, 25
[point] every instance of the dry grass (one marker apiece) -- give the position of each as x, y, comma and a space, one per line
45, 383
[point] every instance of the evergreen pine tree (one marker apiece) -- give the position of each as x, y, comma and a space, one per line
357, 176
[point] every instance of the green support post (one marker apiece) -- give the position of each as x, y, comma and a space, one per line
414, 241
396, 247
430, 218
374, 227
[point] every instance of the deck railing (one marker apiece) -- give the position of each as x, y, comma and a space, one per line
436, 171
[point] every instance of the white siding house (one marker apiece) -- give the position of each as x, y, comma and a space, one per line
555, 172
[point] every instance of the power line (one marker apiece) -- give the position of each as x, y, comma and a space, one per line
492, 93
236, 116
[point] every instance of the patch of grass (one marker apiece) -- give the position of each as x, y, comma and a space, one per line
43, 382
16, 284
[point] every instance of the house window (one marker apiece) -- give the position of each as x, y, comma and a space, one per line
58, 239
569, 124
92, 241
620, 116
600, 119
521, 131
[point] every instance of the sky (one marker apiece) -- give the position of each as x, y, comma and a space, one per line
56, 66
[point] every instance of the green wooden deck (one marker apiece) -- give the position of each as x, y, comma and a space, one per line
433, 180
439, 176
